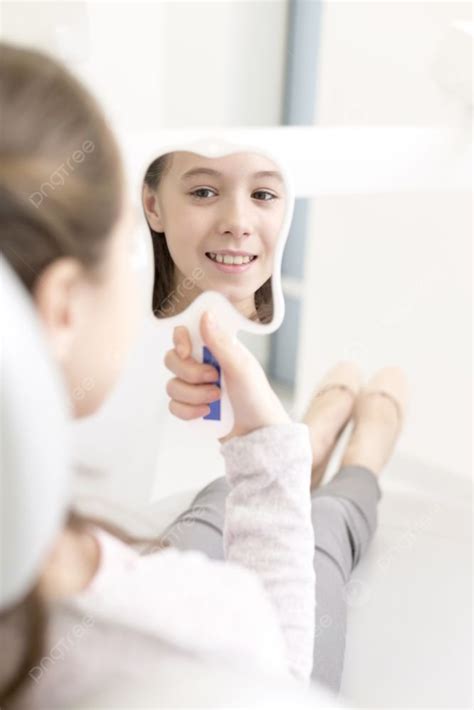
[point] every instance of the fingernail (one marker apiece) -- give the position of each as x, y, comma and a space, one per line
210, 375
214, 394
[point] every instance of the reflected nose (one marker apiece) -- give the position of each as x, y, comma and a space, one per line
235, 222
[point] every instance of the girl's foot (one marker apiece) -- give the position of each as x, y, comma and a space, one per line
328, 413
379, 412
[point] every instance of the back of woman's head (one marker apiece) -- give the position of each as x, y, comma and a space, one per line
61, 195
61, 177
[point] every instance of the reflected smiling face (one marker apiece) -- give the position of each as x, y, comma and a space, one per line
222, 218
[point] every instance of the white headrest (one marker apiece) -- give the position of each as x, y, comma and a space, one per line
35, 470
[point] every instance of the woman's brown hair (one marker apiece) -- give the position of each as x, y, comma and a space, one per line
164, 265
61, 186
61, 177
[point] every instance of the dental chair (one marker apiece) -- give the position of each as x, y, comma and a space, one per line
35, 495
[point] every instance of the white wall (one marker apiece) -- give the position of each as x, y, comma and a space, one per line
166, 64
388, 277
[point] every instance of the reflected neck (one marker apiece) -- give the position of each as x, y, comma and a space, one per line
183, 296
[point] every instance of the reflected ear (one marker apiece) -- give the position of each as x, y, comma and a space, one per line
152, 211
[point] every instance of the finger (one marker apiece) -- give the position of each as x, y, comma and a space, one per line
187, 411
190, 370
182, 341
192, 394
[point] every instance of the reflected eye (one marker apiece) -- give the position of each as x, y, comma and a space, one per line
264, 195
199, 193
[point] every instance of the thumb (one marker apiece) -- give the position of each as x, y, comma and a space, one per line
226, 349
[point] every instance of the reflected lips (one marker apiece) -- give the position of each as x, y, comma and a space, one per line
237, 261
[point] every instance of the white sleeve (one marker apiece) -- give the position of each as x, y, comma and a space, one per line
268, 528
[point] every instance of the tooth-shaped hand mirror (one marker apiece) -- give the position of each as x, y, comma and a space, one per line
218, 216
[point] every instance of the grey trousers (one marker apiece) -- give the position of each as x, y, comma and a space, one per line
344, 515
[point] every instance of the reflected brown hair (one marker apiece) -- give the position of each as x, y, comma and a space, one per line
164, 265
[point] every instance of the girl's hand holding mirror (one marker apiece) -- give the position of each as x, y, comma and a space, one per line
253, 401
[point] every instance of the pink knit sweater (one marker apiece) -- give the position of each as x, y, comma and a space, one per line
254, 611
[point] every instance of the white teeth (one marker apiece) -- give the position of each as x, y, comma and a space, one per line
229, 259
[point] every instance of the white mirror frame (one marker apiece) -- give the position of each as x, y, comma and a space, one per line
231, 319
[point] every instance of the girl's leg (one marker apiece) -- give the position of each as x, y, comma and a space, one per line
344, 514
201, 526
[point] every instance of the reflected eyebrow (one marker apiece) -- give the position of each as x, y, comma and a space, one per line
269, 173
200, 171
215, 173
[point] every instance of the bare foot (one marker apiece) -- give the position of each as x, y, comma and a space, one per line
378, 415
328, 413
